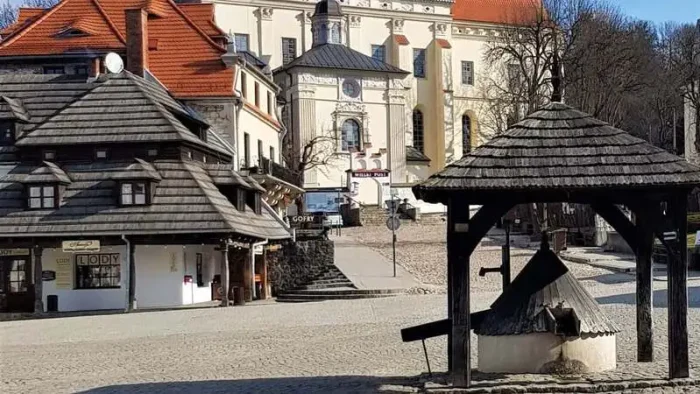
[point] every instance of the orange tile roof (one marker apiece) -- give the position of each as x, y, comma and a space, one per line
186, 60
203, 16
26, 15
494, 11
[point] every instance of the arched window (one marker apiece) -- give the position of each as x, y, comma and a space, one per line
350, 135
418, 132
466, 134
335, 33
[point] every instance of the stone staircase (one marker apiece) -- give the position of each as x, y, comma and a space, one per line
331, 285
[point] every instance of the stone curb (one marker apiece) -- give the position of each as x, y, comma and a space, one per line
601, 387
596, 263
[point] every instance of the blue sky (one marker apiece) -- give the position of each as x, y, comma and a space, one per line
653, 10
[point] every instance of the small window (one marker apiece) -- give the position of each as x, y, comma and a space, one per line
246, 150
289, 50
200, 270
101, 154
152, 152
133, 193
350, 135
42, 197
98, 271
253, 201
188, 154
466, 134
269, 103
514, 77
242, 42
379, 53
49, 155
54, 70
81, 70
7, 133
418, 131
468, 73
272, 154
419, 63
257, 95
244, 85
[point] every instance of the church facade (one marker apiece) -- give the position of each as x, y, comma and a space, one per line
409, 106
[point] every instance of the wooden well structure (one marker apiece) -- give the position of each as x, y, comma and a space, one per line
560, 154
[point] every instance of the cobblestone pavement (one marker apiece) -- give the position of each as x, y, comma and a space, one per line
329, 347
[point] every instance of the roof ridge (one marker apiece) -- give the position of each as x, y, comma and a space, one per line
215, 205
196, 27
109, 21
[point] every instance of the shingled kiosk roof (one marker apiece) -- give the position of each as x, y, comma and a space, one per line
545, 297
560, 148
122, 109
340, 57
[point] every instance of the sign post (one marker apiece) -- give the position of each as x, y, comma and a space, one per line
393, 223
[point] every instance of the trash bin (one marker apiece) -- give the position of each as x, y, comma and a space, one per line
52, 303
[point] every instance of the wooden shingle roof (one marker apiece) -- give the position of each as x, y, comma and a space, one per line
560, 148
340, 57
186, 201
13, 109
544, 289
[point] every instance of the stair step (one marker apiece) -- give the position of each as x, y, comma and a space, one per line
325, 286
318, 298
344, 291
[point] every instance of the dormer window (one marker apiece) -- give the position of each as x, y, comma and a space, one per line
134, 193
253, 200
42, 196
49, 155
101, 154
54, 70
71, 32
7, 133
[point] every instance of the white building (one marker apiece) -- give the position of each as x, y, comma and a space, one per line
439, 43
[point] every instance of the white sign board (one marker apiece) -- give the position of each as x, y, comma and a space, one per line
81, 246
697, 238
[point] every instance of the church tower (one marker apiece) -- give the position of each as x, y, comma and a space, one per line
326, 23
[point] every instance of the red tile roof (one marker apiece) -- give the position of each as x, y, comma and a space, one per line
186, 59
494, 11
26, 15
203, 16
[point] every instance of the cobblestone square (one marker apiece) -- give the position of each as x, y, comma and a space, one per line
327, 347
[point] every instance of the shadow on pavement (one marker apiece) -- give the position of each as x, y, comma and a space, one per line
609, 279
660, 298
311, 384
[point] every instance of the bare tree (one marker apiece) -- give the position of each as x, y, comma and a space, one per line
8, 14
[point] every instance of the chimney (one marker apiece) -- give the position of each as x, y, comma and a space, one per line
137, 41
95, 67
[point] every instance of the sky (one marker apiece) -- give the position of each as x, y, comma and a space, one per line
653, 10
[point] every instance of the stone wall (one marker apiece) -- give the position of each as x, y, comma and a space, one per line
298, 262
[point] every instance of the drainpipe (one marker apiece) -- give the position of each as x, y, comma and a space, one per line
252, 264
130, 276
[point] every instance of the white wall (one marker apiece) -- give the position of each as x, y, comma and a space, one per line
71, 299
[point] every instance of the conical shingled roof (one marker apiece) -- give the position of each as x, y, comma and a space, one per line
559, 148
544, 289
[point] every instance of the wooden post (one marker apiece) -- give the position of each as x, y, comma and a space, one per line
248, 273
645, 327
224, 274
132, 275
263, 277
458, 261
38, 281
678, 292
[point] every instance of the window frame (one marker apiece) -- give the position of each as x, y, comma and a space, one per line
373, 52
467, 72
133, 193
42, 197
244, 85
100, 278
260, 152
272, 154
419, 55
344, 143
257, 94
82, 67
466, 137
199, 266
246, 150
270, 100
289, 50
49, 70
418, 132
244, 37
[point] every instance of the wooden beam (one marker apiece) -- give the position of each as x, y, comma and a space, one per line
38, 280
619, 221
132, 275
459, 343
644, 273
224, 274
678, 292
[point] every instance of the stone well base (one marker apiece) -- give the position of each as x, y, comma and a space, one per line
546, 353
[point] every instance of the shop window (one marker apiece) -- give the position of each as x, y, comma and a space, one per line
98, 271
42, 197
133, 193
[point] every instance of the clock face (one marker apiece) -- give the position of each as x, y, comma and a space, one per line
351, 88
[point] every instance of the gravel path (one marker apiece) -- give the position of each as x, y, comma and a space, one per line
422, 251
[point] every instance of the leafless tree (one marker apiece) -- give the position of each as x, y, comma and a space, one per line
314, 154
8, 12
